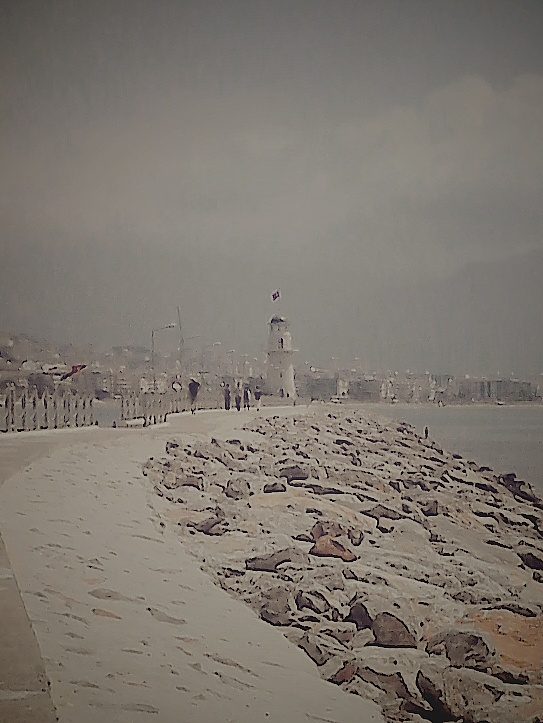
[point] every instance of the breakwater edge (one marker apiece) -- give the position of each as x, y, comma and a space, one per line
410, 575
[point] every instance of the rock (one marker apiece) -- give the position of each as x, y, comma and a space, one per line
322, 490
317, 653
391, 632
269, 563
349, 574
528, 611
339, 669
189, 480
530, 560
327, 546
385, 527
355, 536
342, 632
519, 489
274, 487
463, 648
275, 607
432, 691
393, 684
302, 537
313, 600
345, 673
209, 526
363, 638
474, 697
359, 615
293, 473
430, 509
238, 489
380, 511
325, 527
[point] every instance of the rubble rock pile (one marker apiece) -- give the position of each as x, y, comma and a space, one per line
409, 575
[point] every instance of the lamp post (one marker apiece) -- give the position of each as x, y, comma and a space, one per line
153, 331
192, 357
232, 352
217, 358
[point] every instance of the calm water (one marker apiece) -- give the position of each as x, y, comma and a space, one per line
508, 439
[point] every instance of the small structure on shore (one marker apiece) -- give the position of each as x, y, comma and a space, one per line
280, 367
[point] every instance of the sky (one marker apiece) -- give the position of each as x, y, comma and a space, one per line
379, 161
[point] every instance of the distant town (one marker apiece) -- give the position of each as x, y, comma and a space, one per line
36, 368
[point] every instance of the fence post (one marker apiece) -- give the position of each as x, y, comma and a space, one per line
23, 412
35, 409
12, 410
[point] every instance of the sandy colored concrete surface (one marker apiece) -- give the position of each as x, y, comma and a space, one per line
24, 692
128, 625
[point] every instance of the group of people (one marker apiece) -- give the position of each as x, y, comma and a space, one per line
241, 394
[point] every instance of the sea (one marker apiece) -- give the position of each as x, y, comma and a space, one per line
505, 438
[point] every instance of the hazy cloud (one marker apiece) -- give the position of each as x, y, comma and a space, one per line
155, 154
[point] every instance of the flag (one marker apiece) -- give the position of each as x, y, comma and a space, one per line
275, 295
75, 368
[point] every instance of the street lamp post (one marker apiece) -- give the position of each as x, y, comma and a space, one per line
153, 331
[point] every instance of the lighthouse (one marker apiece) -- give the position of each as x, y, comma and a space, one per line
280, 369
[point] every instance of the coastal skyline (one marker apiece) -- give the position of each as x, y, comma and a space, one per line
379, 162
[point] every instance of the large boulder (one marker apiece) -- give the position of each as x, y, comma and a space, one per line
474, 697
391, 632
293, 473
276, 607
464, 648
327, 546
359, 615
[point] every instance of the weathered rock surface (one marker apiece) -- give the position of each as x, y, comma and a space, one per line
408, 574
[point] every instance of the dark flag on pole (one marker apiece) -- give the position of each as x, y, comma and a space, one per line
275, 295
75, 368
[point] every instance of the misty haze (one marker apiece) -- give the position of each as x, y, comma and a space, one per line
380, 163
271, 361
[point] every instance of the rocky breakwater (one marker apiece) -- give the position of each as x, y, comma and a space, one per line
409, 575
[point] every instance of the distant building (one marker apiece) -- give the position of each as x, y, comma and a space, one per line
280, 367
365, 390
322, 387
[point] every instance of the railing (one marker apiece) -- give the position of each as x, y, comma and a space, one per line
24, 411
27, 411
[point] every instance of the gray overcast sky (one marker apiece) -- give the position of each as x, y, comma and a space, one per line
380, 162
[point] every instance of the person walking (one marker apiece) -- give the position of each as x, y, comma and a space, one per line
258, 395
227, 396
246, 398
237, 398
426, 432
194, 388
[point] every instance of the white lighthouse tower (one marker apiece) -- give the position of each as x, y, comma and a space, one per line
280, 369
